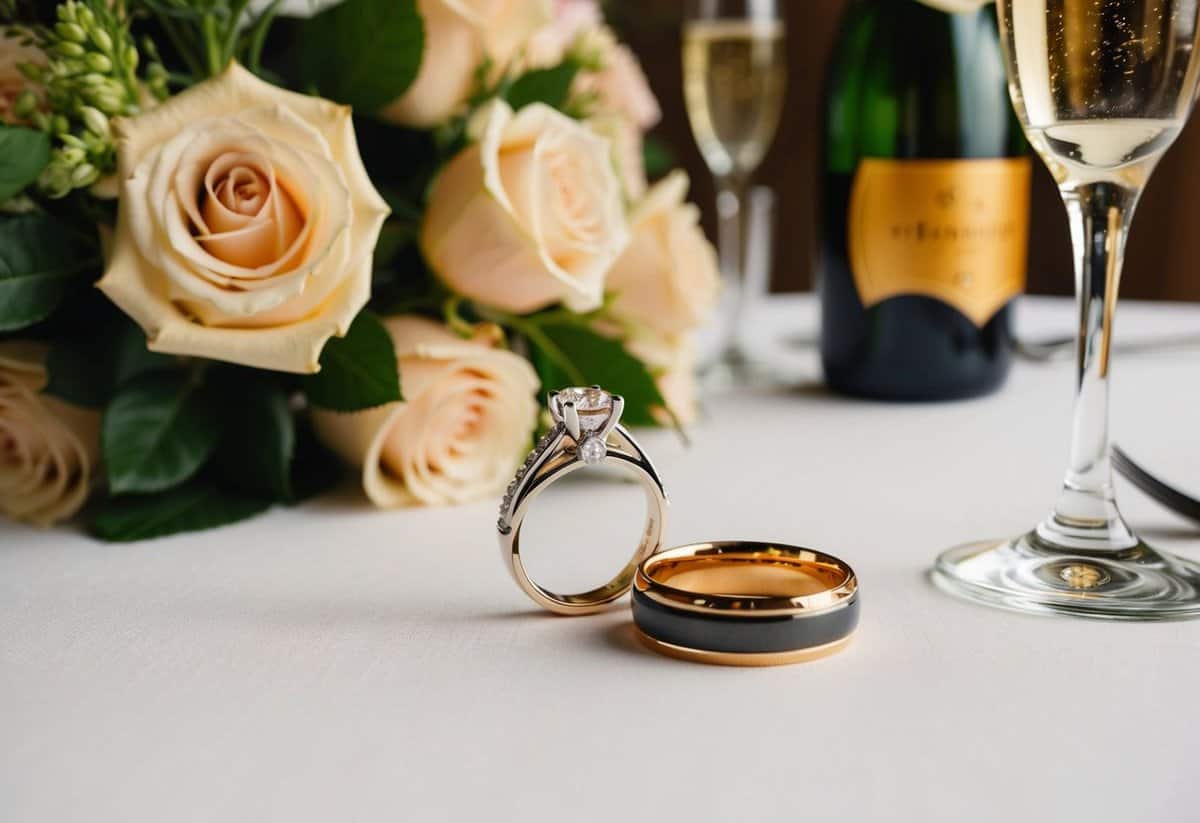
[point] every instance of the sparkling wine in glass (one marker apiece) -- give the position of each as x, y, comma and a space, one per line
734, 77
1102, 88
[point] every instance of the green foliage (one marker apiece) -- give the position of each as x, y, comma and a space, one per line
191, 507
40, 263
23, 155
658, 157
255, 453
157, 432
568, 353
89, 369
358, 371
364, 53
551, 86
206, 36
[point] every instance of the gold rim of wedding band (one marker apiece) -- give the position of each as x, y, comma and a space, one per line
733, 556
742, 659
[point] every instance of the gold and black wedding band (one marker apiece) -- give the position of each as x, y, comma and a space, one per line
744, 603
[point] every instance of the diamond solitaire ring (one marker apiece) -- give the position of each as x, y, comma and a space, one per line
586, 432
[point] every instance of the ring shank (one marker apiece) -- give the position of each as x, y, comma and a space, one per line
628, 457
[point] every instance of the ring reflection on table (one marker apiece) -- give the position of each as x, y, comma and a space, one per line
743, 603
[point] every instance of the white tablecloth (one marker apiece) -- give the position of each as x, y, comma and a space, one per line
333, 662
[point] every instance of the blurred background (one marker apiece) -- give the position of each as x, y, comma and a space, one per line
1163, 252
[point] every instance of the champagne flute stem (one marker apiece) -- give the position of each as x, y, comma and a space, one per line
1086, 515
731, 197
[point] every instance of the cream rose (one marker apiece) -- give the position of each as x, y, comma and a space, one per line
528, 216
48, 449
467, 419
667, 280
459, 36
246, 224
12, 82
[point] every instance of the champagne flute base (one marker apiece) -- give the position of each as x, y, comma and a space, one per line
1026, 574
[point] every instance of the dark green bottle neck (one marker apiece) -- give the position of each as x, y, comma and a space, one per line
911, 81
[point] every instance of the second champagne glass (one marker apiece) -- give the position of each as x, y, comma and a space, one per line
1102, 88
734, 76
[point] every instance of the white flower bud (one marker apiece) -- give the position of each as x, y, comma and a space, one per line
99, 63
69, 49
102, 39
95, 120
71, 31
72, 156
84, 175
25, 104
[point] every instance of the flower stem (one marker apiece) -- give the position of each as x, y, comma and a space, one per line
212, 46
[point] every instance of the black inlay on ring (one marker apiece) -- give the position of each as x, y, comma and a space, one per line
744, 635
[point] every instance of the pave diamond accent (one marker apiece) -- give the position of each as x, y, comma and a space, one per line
594, 405
530, 461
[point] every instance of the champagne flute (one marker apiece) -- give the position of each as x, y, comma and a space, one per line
1102, 88
734, 77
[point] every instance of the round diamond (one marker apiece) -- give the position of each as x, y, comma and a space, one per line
592, 450
594, 405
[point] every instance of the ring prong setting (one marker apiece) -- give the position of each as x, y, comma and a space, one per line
570, 417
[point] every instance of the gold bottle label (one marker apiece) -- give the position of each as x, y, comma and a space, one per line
954, 230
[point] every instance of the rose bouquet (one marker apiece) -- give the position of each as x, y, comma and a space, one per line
240, 241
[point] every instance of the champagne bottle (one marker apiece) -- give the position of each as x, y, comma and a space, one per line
926, 203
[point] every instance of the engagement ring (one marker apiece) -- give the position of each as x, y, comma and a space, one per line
586, 432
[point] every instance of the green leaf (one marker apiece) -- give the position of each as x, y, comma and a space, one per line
40, 261
364, 53
315, 469
658, 157
551, 86
88, 370
259, 440
567, 353
157, 432
188, 508
23, 155
358, 371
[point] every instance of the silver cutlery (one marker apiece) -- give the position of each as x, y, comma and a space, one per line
1166, 494
1062, 348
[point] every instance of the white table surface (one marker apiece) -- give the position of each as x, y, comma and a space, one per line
334, 662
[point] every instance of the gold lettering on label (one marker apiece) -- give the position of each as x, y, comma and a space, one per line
954, 230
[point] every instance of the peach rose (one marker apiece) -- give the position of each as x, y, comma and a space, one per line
12, 82
459, 36
628, 157
619, 85
667, 280
672, 360
569, 19
529, 216
466, 421
48, 449
246, 223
